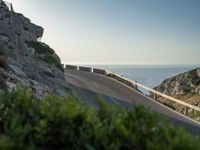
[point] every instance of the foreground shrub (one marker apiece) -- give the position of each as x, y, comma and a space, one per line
53, 124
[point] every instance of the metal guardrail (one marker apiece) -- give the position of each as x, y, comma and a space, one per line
99, 71
156, 93
135, 85
71, 67
87, 69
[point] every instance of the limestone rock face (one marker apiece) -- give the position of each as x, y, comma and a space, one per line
185, 83
26, 61
185, 87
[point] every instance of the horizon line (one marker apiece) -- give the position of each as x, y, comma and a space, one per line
130, 64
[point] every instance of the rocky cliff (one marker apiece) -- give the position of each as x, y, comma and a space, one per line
182, 84
185, 87
26, 61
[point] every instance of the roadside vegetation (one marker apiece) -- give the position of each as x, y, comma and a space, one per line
45, 53
40, 48
53, 124
195, 78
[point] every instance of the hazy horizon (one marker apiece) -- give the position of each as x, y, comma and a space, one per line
136, 64
135, 32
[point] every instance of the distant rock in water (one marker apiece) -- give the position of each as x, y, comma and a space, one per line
26, 61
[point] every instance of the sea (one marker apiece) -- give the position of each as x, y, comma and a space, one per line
148, 75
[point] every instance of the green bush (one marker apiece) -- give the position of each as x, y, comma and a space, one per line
195, 78
40, 48
52, 59
53, 124
47, 54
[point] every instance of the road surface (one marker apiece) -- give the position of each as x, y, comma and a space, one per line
90, 85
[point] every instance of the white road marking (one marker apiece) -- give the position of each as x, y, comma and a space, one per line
115, 101
95, 84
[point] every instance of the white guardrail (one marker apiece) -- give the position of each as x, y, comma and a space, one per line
134, 85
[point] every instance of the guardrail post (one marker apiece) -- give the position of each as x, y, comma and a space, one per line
186, 110
71, 67
155, 96
193, 112
136, 87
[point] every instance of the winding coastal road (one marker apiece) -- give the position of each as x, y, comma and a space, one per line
88, 86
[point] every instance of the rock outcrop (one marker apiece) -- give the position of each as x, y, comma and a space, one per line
26, 61
185, 87
182, 84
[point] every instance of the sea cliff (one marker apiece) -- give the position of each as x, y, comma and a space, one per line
26, 61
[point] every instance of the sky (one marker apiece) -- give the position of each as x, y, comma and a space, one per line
118, 31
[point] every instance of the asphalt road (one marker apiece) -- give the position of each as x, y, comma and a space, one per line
88, 86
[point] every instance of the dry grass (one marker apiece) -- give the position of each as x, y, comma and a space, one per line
189, 98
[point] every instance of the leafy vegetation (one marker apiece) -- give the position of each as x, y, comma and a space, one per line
195, 78
47, 53
53, 123
40, 48
52, 59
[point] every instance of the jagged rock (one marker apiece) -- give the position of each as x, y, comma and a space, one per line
30, 63
11, 85
18, 71
184, 83
185, 87
4, 38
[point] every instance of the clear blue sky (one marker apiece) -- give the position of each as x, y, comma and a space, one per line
119, 31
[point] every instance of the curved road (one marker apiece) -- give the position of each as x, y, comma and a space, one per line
90, 85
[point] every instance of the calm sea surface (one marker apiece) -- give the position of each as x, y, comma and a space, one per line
149, 75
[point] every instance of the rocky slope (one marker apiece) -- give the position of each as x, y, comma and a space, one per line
185, 83
24, 60
185, 87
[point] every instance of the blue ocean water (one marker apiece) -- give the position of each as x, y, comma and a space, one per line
149, 75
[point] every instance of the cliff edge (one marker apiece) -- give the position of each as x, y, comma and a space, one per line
185, 87
26, 61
